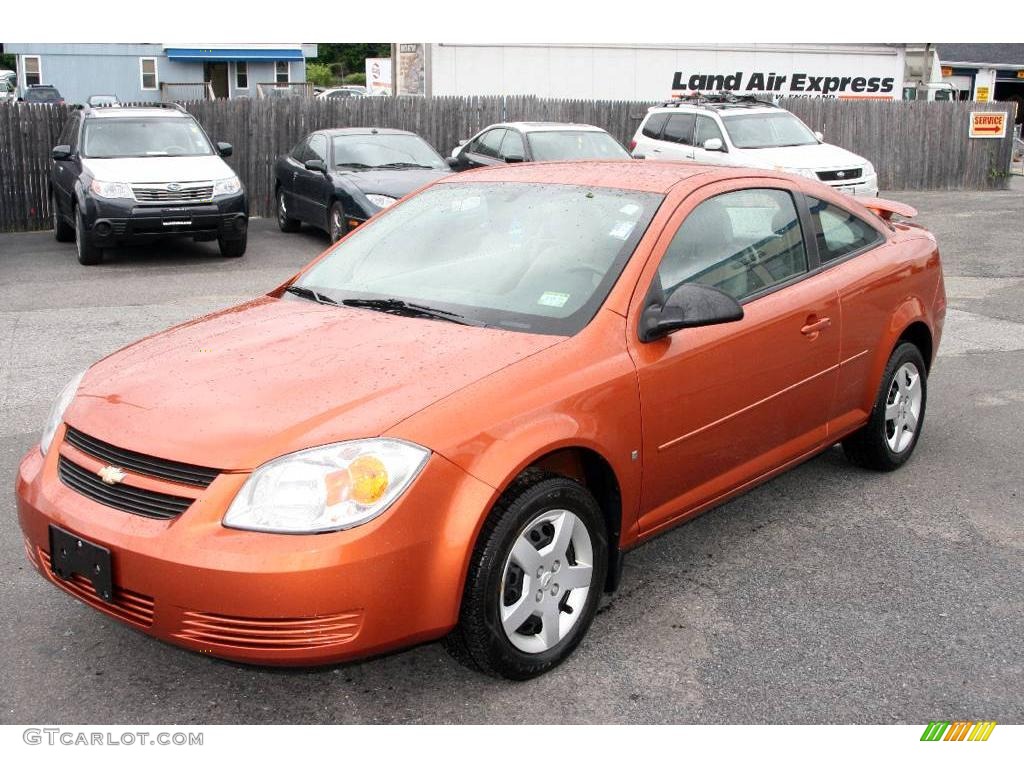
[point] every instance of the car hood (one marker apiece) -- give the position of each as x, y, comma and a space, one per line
154, 170
244, 385
808, 156
393, 183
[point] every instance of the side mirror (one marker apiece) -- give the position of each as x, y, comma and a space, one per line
690, 305
714, 145
514, 158
61, 152
316, 165
224, 149
453, 163
819, 135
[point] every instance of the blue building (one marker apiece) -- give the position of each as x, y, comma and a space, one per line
163, 71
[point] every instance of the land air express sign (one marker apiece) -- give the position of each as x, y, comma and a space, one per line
790, 84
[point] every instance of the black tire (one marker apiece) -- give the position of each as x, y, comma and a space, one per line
479, 640
88, 254
869, 446
337, 223
234, 248
284, 221
62, 231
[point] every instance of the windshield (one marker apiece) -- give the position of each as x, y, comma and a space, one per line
575, 145
144, 137
537, 258
779, 129
385, 150
41, 94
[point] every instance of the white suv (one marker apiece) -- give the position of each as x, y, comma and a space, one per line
741, 130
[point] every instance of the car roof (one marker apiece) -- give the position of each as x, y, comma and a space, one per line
533, 126
114, 111
746, 109
639, 175
365, 132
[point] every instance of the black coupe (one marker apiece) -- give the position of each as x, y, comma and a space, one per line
336, 179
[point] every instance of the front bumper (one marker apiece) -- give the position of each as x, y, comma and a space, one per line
113, 221
268, 598
866, 186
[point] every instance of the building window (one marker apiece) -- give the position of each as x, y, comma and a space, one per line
282, 73
241, 75
147, 67
33, 70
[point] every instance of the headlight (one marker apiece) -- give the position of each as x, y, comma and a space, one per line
57, 412
227, 186
382, 201
329, 488
869, 169
111, 189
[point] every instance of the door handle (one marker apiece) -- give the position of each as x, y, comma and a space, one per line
814, 327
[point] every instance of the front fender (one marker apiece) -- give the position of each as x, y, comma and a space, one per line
911, 310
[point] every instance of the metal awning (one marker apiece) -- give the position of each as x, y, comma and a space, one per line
217, 53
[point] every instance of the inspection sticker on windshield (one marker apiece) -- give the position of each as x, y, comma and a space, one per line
553, 299
622, 229
630, 209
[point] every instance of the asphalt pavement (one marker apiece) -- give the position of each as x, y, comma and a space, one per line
829, 595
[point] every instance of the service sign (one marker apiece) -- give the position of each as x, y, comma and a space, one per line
988, 125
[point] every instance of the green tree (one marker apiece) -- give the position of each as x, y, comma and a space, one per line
318, 73
8, 61
351, 57
355, 78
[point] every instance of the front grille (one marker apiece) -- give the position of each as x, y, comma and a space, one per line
269, 634
138, 501
132, 607
845, 174
175, 471
201, 192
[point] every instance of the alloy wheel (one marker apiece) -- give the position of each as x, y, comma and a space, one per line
903, 407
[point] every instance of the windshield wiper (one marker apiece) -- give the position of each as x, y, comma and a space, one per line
408, 309
360, 166
405, 165
309, 293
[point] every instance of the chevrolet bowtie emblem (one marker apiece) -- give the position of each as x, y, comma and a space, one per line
111, 475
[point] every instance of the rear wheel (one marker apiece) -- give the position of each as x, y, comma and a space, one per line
337, 225
88, 254
62, 231
888, 439
284, 219
535, 580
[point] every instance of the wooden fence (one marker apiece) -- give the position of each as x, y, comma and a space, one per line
913, 145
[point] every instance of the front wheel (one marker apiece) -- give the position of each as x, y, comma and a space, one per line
338, 226
88, 254
232, 248
888, 439
285, 222
535, 580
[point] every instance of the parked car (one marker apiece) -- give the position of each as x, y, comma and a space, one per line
8, 91
457, 420
343, 92
103, 100
337, 179
745, 131
124, 175
529, 142
41, 94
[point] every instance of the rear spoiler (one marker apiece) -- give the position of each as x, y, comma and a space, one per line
886, 208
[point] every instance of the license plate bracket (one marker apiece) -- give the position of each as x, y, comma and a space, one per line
71, 554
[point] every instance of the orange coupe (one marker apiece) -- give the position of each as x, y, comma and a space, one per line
454, 422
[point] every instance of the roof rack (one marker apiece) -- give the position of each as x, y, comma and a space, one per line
720, 99
147, 105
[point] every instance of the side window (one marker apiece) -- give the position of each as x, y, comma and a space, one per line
301, 152
838, 231
69, 133
513, 145
490, 143
317, 148
679, 128
654, 125
739, 242
707, 128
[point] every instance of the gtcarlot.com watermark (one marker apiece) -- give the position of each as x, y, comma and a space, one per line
80, 737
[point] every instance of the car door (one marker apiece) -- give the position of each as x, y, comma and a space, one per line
294, 162
314, 187
485, 149
706, 129
676, 139
66, 172
724, 404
